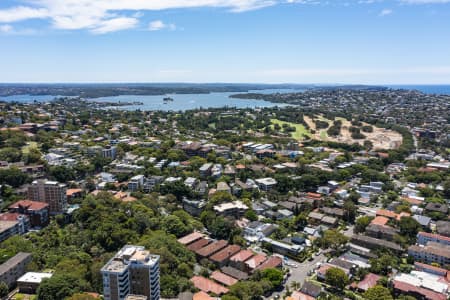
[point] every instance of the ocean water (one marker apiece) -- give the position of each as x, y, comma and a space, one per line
427, 89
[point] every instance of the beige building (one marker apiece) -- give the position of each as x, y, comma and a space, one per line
51, 192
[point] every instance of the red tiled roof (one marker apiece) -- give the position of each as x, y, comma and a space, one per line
380, 220
386, 213
408, 288
435, 236
412, 200
368, 282
212, 248
223, 278
314, 195
10, 216
256, 260
300, 296
207, 286
70, 192
186, 240
422, 266
202, 296
225, 253
198, 244
29, 205
271, 262
242, 256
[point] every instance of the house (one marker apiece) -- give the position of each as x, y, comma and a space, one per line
190, 238
256, 231
223, 187
381, 232
283, 248
238, 260
136, 183
311, 289
437, 207
443, 228
208, 286
29, 282
221, 258
252, 263
211, 249
193, 207
369, 281
266, 184
235, 209
37, 212
374, 243
224, 279
271, 262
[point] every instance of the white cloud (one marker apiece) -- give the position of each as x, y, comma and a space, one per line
6, 28
114, 15
385, 12
160, 25
115, 24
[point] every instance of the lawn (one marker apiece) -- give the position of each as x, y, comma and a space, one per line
300, 129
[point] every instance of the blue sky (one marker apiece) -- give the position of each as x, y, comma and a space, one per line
273, 41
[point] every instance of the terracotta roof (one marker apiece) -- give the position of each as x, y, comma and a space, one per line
29, 205
255, 261
223, 278
225, 253
314, 195
386, 213
10, 216
186, 240
380, 220
412, 201
271, 262
202, 296
422, 266
198, 244
70, 192
368, 282
242, 256
212, 248
408, 288
207, 286
300, 296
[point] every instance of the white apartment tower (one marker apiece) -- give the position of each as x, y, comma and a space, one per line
133, 270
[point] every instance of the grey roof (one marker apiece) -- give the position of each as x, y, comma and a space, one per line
13, 261
422, 220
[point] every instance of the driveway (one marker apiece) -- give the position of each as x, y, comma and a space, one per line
299, 274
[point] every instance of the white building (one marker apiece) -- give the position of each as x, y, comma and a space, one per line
133, 270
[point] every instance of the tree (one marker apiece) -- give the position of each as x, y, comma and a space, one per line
361, 223
3, 289
337, 278
383, 264
275, 276
332, 239
378, 292
350, 211
58, 287
409, 228
13, 176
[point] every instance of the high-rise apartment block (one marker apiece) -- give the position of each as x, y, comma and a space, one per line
133, 270
51, 192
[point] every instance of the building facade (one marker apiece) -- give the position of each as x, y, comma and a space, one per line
51, 192
133, 270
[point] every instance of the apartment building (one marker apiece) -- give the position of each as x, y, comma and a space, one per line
424, 237
38, 212
14, 268
133, 270
433, 252
51, 192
